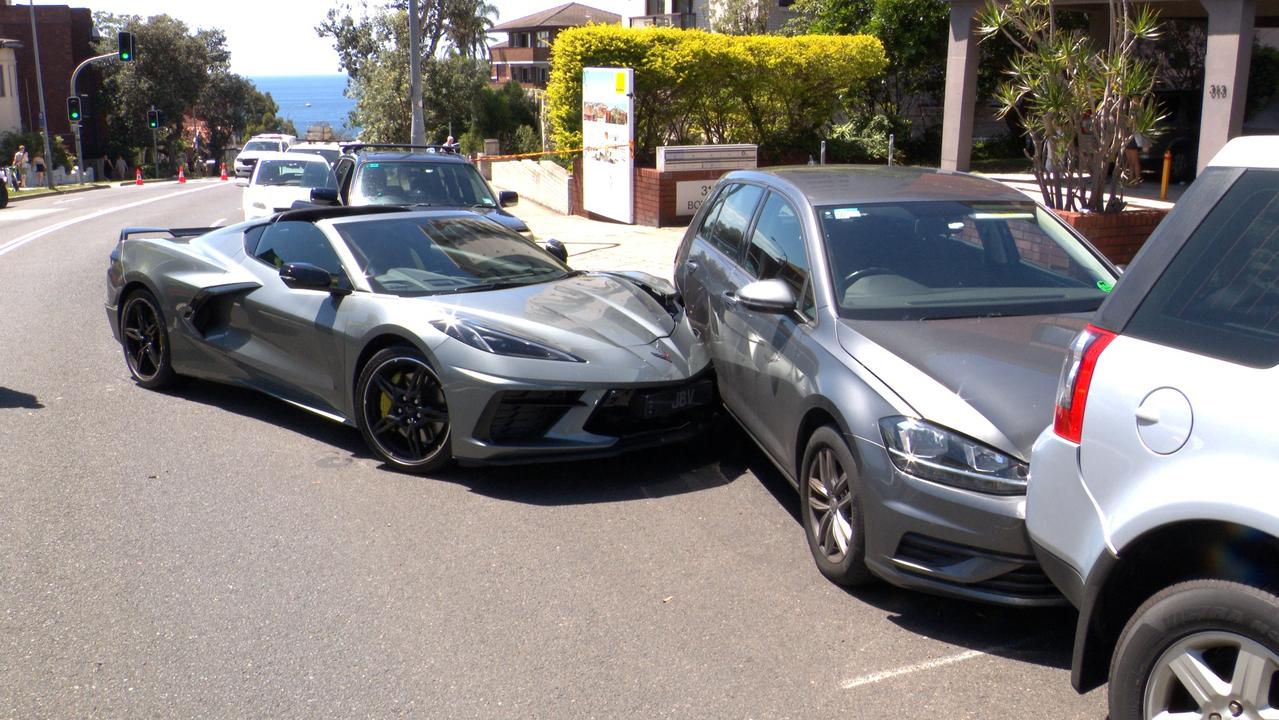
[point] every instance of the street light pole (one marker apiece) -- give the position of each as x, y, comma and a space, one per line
44, 119
416, 131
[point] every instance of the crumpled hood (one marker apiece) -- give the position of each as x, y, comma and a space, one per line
574, 312
994, 379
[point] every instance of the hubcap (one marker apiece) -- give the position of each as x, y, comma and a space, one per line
143, 344
830, 505
405, 410
1213, 675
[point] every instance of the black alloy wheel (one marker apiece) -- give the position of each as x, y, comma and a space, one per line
145, 341
831, 503
401, 411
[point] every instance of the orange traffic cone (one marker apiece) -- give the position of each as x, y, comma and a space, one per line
182, 176
137, 176
223, 172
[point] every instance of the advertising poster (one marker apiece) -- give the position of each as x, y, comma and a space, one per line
608, 126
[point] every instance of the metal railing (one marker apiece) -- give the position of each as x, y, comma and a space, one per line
675, 20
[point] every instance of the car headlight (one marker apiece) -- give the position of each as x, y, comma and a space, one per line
934, 453
482, 337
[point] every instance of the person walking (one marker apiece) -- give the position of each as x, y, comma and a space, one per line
121, 168
20, 159
37, 163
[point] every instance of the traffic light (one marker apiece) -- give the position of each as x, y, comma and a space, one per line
124, 41
153, 119
73, 109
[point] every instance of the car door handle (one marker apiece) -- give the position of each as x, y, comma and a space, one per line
692, 265
1147, 416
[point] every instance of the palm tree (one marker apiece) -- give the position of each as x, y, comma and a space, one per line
468, 24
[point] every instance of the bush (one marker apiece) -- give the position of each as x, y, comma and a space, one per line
693, 86
526, 140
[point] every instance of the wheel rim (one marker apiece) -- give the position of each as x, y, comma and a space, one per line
143, 339
405, 412
830, 502
1213, 675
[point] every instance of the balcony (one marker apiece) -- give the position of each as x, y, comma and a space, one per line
683, 21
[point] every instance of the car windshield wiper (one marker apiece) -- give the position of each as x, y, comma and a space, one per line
516, 280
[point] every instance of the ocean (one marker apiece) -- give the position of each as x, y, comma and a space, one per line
310, 100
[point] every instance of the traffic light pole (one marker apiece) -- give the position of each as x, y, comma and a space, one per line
155, 146
75, 126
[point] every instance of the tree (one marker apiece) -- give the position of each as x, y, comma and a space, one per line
1080, 103
740, 17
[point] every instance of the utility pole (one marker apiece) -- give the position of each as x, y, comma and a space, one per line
417, 131
44, 120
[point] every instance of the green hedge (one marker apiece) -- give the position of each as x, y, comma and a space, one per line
693, 86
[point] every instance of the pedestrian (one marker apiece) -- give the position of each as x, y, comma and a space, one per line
450, 144
121, 168
37, 162
106, 168
20, 159
1132, 159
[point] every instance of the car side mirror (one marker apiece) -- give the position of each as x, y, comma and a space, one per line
305, 276
557, 250
241, 182
324, 196
507, 198
767, 296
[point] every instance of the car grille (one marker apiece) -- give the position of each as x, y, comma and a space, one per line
636, 411
1026, 580
522, 415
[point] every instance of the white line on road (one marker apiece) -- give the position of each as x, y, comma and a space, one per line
217, 222
18, 242
875, 677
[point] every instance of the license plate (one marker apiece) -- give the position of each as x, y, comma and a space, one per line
668, 402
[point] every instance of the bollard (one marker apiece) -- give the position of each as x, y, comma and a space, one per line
892, 138
1163, 186
823, 152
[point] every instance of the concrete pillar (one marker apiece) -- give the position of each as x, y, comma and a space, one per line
961, 88
1230, 30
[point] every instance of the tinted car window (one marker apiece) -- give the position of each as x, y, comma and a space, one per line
776, 249
729, 230
1220, 295
941, 259
295, 173
416, 256
296, 242
263, 146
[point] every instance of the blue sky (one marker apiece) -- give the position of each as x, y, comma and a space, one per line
277, 37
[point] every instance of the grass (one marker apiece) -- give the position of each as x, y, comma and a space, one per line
57, 190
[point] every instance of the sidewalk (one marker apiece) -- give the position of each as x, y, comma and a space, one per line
1145, 195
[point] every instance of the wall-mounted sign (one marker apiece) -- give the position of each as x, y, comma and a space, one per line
690, 194
608, 127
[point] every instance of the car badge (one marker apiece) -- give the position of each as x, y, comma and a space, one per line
663, 355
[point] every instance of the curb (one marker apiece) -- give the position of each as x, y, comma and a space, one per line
68, 191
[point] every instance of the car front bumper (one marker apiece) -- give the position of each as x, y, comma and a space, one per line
935, 538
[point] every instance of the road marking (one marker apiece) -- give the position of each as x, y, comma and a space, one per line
876, 677
217, 222
18, 242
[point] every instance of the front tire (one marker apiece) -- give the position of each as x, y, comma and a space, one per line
1202, 648
831, 504
145, 339
401, 411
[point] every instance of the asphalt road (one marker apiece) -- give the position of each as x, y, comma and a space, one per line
210, 553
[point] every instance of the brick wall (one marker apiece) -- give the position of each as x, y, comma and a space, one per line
654, 194
1117, 235
65, 37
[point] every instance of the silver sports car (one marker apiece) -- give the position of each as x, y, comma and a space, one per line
438, 334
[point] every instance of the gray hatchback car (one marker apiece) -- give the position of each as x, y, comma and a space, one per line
891, 338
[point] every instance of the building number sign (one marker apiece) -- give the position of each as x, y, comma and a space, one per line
1217, 92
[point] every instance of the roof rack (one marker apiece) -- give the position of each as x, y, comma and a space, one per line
356, 147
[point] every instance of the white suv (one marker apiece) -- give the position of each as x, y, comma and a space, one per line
1153, 501
258, 144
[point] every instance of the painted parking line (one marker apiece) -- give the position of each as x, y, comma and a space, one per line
877, 677
18, 242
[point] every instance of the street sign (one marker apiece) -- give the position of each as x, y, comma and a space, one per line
73, 109
124, 45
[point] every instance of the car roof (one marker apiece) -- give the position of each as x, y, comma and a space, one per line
307, 145
410, 156
844, 184
291, 157
1255, 151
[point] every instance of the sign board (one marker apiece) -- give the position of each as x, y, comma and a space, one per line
608, 127
690, 194
707, 157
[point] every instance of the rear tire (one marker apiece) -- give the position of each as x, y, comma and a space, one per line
401, 411
831, 507
1220, 636
145, 339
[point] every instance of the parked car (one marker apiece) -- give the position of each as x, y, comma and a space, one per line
438, 334
1152, 498
891, 338
423, 176
253, 149
327, 150
281, 179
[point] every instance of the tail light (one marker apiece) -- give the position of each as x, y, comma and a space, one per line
1076, 377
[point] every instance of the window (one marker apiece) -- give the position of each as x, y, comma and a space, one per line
654, 7
2, 69
543, 38
1220, 295
777, 249
282, 243
729, 230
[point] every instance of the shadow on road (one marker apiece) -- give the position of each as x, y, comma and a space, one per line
15, 399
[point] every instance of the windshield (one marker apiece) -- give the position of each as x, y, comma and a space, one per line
295, 173
330, 155
262, 146
443, 184
926, 260
426, 256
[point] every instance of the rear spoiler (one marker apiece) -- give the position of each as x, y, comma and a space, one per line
189, 232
